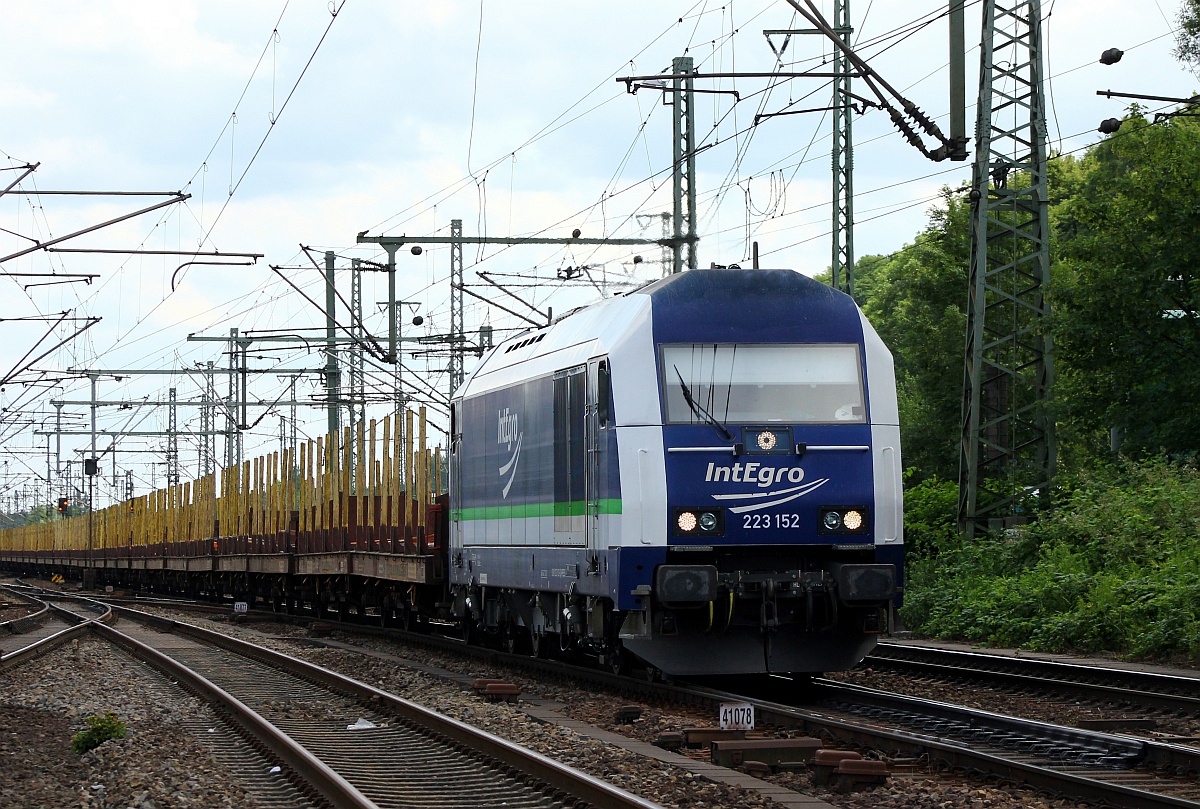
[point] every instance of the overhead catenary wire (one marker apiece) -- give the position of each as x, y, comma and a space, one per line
270, 300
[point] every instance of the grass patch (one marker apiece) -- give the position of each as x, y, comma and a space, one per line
99, 730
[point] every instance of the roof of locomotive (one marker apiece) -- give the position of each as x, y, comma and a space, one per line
751, 306
707, 305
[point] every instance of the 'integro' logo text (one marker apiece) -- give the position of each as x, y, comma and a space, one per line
752, 472
764, 477
507, 433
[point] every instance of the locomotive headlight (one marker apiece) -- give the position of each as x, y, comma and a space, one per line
686, 521
843, 520
698, 522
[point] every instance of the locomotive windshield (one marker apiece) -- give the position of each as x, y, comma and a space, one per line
753, 383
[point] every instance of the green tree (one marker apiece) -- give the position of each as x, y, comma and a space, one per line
40, 514
916, 300
1126, 291
1187, 38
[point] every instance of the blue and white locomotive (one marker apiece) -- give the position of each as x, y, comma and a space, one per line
703, 474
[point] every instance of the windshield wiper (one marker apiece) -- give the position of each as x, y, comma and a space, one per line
698, 410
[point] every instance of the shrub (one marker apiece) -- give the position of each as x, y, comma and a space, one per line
1116, 568
99, 730
930, 517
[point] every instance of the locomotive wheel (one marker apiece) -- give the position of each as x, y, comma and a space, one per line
618, 662
537, 644
515, 639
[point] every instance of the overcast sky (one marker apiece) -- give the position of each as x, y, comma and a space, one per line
288, 126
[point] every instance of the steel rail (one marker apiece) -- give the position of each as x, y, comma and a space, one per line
331, 786
1126, 750
19, 626
41, 647
939, 751
1148, 689
579, 785
955, 754
51, 642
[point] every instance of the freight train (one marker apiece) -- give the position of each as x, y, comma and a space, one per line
701, 476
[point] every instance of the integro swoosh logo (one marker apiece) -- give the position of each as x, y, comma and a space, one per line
508, 433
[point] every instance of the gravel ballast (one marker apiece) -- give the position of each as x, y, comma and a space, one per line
160, 764
667, 785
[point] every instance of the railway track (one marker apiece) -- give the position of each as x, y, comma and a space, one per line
49, 625
1148, 692
351, 744
1102, 768
1105, 768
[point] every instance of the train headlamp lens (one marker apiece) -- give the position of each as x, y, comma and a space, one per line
698, 522
767, 440
686, 521
853, 520
832, 520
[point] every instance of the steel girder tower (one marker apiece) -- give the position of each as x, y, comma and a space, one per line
333, 373
172, 440
358, 380
232, 456
208, 421
842, 266
1008, 447
357, 403
456, 306
683, 155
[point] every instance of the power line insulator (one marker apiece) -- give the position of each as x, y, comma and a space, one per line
1109, 125
1111, 56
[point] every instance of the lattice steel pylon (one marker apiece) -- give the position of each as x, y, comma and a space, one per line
456, 307
1008, 444
358, 378
683, 155
172, 440
842, 266
208, 421
357, 404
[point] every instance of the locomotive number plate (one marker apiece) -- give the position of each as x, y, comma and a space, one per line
737, 716
770, 521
